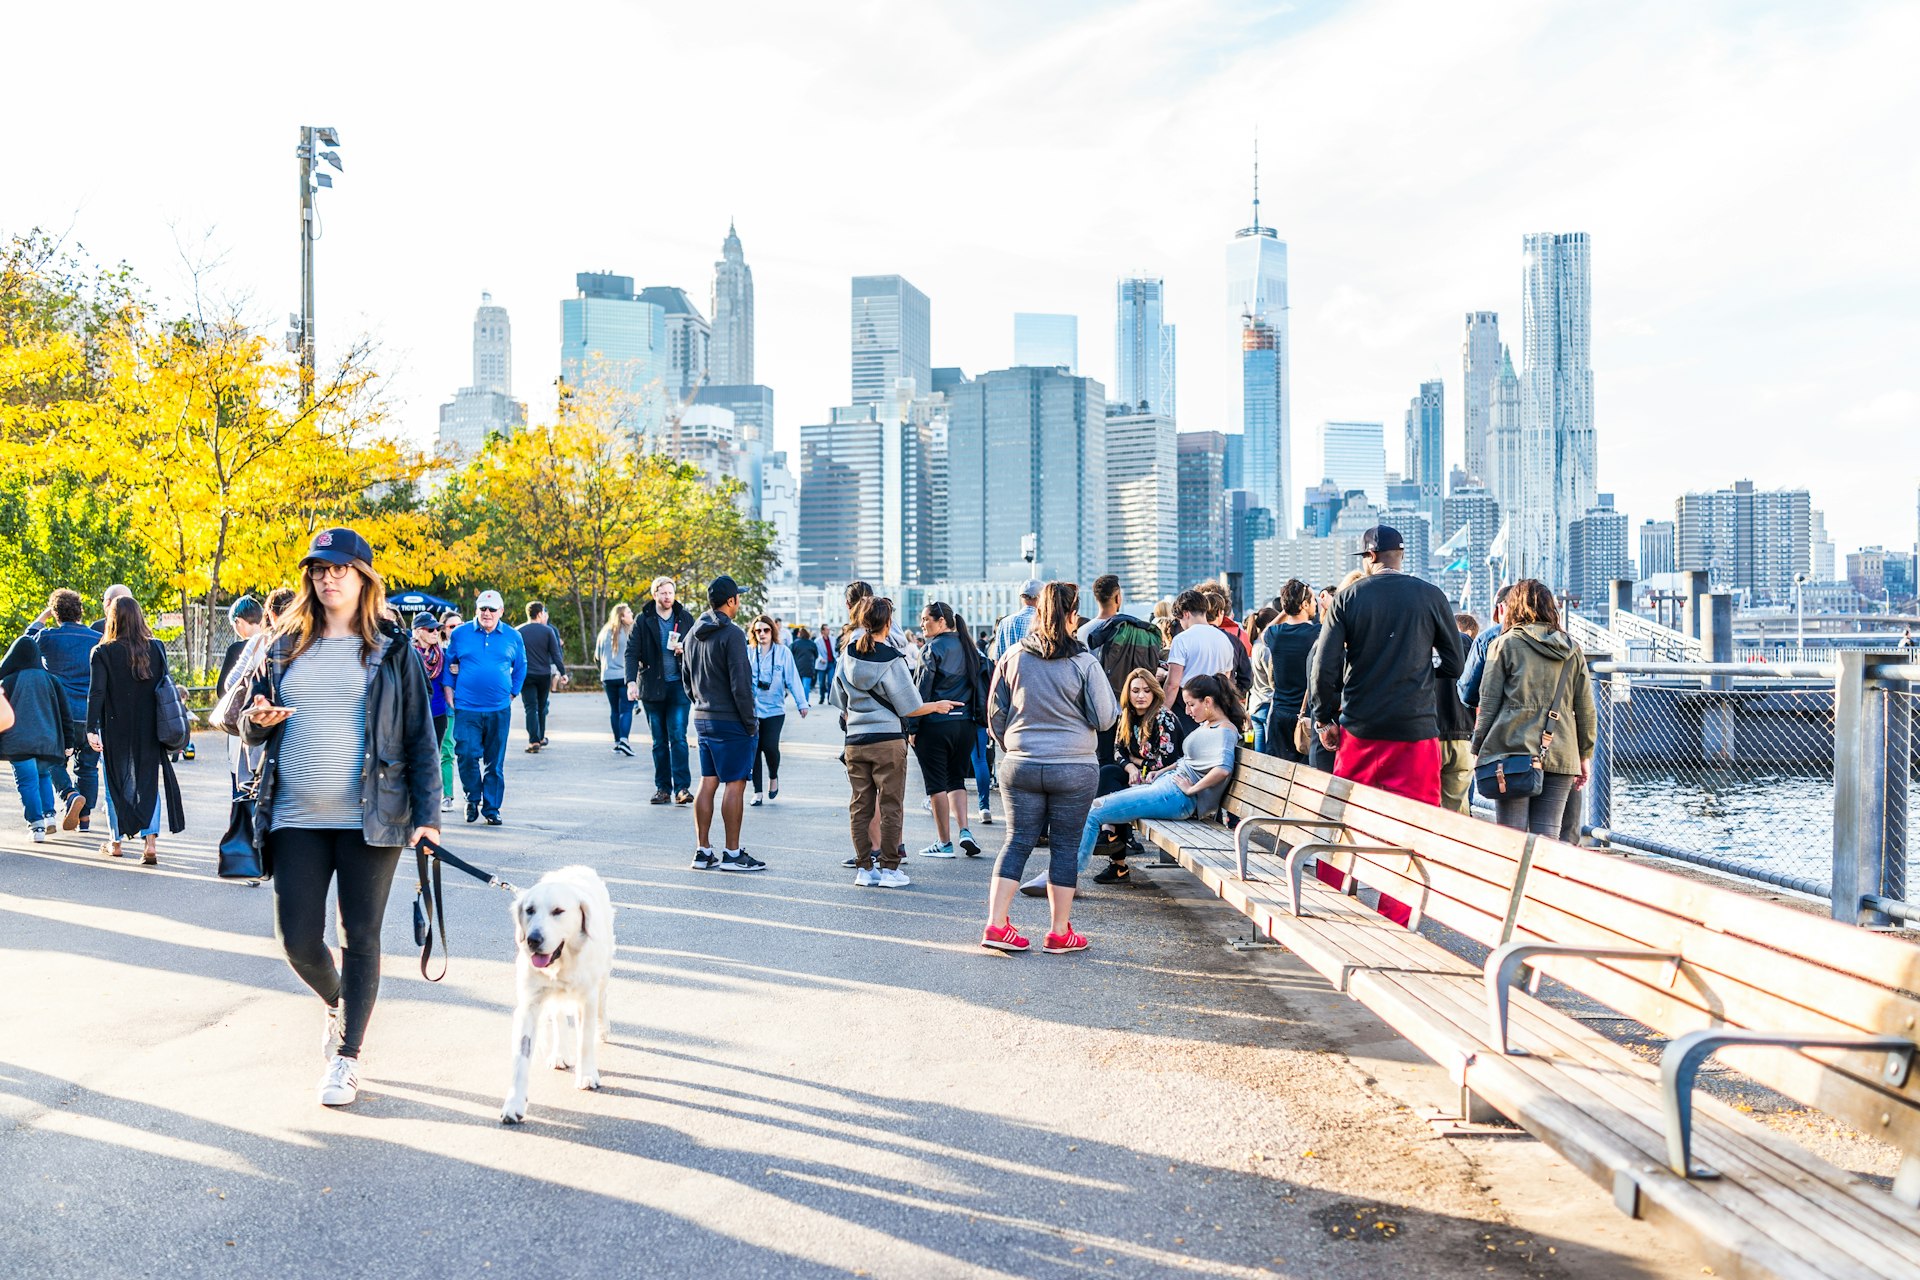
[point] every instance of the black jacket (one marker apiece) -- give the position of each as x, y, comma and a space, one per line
41, 729
644, 659
544, 652
134, 768
1374, 666
1290, 650
400, 772
719, 677
1123, 644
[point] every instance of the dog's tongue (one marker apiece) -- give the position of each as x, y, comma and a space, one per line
540, 961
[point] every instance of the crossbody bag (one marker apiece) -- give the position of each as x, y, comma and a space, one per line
1517, 776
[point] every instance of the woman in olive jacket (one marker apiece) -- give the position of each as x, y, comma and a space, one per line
1524, 667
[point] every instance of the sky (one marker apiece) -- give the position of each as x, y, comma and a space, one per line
1748, 172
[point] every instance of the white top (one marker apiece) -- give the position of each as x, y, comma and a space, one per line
1208, 747
1201, 650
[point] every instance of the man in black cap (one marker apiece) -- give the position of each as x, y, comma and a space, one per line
720, 682
1373, 669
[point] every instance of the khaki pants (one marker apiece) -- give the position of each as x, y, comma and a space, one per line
1456, 774
878, 772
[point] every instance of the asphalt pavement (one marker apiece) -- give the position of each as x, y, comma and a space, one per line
806, 1078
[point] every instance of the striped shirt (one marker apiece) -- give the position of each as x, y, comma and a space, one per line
325, 742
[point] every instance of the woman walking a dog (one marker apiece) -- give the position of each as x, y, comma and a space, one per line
350, 774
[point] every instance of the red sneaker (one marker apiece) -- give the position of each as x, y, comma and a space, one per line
1002, 937
1058, 944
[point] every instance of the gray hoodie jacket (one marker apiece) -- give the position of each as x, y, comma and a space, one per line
874, 691
1050, 709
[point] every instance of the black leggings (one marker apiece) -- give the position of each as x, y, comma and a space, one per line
304, 862
769, 746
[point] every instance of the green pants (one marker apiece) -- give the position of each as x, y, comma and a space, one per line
446, 757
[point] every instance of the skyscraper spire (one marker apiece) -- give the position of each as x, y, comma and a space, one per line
1256, 178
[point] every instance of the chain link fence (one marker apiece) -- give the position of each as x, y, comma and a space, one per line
1741, 777
1903, 761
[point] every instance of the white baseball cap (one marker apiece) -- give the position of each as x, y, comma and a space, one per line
489, 600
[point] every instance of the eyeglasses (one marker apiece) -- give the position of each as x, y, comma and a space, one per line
323, 570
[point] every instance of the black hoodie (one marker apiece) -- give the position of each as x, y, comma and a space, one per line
40, 725
719, 676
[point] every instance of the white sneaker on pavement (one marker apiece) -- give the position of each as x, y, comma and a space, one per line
39, 831
866, 877
893, 878
341, 1085
1036, 887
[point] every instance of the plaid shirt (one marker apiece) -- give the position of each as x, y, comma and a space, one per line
1012, 630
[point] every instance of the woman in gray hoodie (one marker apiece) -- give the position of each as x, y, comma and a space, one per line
1048, 703
876, 696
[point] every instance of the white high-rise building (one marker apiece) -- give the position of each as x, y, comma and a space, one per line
1825, 562
1143, 347
1143, 506
1480, 356
487, 407
731, 355
779, 506
1558, 462
1045, 341
1354, 456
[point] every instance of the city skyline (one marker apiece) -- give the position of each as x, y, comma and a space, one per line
1698, 357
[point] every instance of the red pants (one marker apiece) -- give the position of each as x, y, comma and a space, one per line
1410, 769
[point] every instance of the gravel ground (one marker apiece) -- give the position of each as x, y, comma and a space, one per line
806, 1078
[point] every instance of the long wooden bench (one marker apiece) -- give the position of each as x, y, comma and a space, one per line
1819, 1011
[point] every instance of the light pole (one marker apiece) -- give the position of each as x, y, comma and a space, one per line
1800, 616
300, 337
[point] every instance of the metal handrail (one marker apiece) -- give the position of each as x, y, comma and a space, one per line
1766, 670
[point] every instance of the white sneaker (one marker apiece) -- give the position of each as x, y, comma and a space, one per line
446, 803
341, 1085
867, 877
893, 879
334, 1036
938, 850
926, 806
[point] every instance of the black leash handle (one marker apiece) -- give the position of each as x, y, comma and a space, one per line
430, 906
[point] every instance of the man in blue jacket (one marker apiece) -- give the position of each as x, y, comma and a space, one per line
488, 664
67, 644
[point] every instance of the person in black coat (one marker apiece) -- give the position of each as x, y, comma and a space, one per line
656, 680
121, 725
38, 740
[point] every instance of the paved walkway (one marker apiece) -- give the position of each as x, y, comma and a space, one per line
806, 1078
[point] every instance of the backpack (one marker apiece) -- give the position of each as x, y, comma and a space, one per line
1131, 644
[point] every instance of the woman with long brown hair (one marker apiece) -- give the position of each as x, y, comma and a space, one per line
1048, 703
776, 681
1148, 741
350, 774
1534, 673
127, 665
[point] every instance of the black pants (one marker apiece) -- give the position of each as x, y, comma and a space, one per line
533, 696
1104, 751
1280, 736
304, 863
769, 747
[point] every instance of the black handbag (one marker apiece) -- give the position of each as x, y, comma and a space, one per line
1520, 776
239, 858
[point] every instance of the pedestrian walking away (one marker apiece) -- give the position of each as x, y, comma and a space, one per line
1385, 641
66, 645
776, 679
488, 665
1287, 642
1190, 788
1199, 649
655, 680
1013, 628
348, 775
1456, 728
1048, 702
719, 678
546, 672
1149, 738
450, 622
1534, 681
248, 618
37, 742
828, 650
610, 649
806, 654
943, 741
433, 664
876, 696
123, 726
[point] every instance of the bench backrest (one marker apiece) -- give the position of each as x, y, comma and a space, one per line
1746, 963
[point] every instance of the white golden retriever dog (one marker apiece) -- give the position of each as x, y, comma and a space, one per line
564, 924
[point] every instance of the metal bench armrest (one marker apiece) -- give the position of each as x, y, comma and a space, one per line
1243, 832
1503, 970
1297, 863
1681, 1060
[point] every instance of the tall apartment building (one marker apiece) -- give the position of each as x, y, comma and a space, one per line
1597, 554
842, 489
1143, 347
1824, 558
486, 407
892, 337
1026, 454
613, 345
1480, 361
689, 339
1046, 341
731, 356
1557, 460
1143, 514
1354, 456
1656, 548
1201, 462
1426, 455
1751, 541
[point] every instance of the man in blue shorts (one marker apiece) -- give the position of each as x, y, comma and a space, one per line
720, 683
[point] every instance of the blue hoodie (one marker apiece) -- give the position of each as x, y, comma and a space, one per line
492, 665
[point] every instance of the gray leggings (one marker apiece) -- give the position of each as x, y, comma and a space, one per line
1049, 798
1541, 814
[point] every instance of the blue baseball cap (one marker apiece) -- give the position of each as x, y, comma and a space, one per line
340, 546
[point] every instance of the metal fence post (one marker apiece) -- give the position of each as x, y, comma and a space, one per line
1600, 773
1869, 836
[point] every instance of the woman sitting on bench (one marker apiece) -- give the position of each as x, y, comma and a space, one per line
1191, 787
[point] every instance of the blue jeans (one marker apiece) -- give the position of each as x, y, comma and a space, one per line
153, 825
1162, 798
619, 709
982, 771
35, 782
667, 725
85, 777
480, 745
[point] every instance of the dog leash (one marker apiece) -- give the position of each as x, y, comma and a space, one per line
429, 904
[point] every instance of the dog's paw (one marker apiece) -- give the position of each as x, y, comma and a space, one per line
559, 1063
587, 1080
513, 1111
